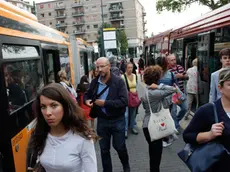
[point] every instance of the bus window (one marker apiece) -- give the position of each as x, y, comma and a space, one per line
22, 80
50, 67
64, 61
18, 51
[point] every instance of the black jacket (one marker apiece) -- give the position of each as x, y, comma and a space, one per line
117, 98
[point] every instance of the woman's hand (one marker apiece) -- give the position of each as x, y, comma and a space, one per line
216, 130
153, 86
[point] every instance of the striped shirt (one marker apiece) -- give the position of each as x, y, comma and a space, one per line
178, 69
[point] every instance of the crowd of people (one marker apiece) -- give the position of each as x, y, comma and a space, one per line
64, 141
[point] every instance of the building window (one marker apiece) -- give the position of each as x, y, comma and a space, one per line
95, 26
105, 15
42, 15
49, 14
94, 6
88, 26
50, 23
49, 5
41, 6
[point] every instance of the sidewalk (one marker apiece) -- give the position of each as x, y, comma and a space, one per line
138, 151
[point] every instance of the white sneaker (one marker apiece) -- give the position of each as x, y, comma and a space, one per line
166, 144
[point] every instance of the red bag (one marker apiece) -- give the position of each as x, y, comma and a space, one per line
134, 100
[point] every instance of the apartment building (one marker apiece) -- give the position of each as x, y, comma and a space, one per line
83, 18
28, 5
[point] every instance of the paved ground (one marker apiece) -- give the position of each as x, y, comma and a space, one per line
138, 151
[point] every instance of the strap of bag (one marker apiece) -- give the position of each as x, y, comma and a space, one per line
127, 84
215, 113
150, 109
99, 95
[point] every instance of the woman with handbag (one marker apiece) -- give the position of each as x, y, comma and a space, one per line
131, 111
204, 129
156, 99
62, 140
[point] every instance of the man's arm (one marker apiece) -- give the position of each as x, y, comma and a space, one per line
212, 93
122, 100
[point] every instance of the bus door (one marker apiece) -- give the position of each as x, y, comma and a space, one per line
190, 55
205, 53
51, 62
21, 77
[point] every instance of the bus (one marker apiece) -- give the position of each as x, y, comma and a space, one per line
31, 55
156, 46
201, 38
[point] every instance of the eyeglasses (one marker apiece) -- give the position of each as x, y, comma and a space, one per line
102, 66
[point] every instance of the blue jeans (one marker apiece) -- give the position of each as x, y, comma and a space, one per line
183, 110
130, 116
115, 129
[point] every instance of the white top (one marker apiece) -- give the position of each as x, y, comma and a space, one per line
70, 152
228, 113
192, 81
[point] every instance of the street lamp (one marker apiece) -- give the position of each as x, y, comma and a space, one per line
102, 29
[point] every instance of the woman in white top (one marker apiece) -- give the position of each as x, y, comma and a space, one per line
61, 141
131, 112
66, 84
192, 86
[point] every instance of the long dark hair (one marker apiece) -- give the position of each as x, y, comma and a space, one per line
164, 64
73, 117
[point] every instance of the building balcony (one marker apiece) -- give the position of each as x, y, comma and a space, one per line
145, 30
79, 32
144, 13
145, 21
78, 14
117, 18
61, 25
60, 16
78, 23
77, 5
60, 7
116, 9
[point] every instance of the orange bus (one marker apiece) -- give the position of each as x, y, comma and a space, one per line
31, 54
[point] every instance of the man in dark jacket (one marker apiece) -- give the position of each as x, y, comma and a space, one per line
110, 112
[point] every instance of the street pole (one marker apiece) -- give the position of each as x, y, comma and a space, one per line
102, 27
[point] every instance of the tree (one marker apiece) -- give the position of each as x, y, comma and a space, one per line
180, 5
121, 38
122, 41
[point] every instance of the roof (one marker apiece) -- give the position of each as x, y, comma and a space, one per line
211, 20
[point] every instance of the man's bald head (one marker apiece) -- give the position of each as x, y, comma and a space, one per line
103, 66
171, 60
103, 60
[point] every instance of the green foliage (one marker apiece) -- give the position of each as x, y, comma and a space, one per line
181, 5
122, 40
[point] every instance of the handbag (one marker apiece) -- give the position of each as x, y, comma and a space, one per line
178, 97
95, 109
133, 99
201, 158
160, 123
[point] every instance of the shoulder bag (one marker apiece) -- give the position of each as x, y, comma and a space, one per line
95, 109
160, 123
201, 158
133, 99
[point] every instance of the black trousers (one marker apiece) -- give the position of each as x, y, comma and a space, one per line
155, 152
